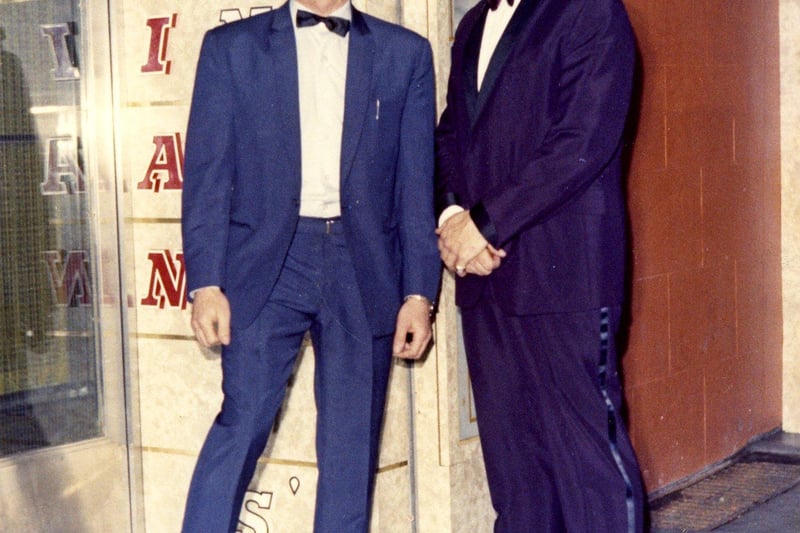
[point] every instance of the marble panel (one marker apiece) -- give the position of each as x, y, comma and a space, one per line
166, 481
386, 9
790, 234
392, 511
395, 437
73, 486
472, 509
281, 497
179, 393
450, 489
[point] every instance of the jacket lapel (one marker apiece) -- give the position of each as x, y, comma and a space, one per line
282, 51
360, 57
472, 49
516, 25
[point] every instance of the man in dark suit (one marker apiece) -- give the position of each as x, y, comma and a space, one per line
533, 224
308, 206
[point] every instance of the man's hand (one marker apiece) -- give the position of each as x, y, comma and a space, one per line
211, 317
460, 242
413, 331
484, 263
464, 250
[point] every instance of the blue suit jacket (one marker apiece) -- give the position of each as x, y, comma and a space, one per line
535, 155
242, 168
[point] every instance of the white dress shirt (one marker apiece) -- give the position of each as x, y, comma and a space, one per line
321, 69
496, 22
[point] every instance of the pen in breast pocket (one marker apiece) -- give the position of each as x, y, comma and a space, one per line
378, 109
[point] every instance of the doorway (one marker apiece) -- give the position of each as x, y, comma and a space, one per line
63, 446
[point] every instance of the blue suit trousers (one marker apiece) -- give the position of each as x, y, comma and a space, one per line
316, 292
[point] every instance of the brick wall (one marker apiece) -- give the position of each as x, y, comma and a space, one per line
703, 366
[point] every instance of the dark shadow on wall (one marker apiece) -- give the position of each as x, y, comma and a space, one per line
629, 141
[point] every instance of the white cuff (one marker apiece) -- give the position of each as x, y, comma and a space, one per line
191, 294
448, 212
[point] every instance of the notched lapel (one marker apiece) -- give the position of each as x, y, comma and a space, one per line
360, 59
282, 51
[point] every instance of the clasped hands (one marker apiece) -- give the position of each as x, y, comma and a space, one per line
464, 250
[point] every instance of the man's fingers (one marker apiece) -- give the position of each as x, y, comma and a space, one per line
478, 269
398, 344
413, 331
403, 338
483, 264
459, 241
419, 345
206, 332
224, 332
201, 338
211, 317
415, 348
452, 260
497, 252
223, 325
448, 259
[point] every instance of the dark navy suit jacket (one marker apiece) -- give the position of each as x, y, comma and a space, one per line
242, 167
535, 155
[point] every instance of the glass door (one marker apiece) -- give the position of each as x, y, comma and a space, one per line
63, 453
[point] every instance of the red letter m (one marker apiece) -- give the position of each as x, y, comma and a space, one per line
167, 281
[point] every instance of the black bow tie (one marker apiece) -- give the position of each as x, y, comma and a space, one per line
337, 25
494, 3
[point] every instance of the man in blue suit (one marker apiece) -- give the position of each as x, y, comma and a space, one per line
533, 224
308, 207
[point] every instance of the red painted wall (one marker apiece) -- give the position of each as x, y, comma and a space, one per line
703, 365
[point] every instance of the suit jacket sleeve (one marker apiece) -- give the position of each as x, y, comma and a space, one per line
592, 95
208, 170
446, 164
415, 181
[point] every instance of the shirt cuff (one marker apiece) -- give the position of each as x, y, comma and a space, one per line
192, 293
449, 212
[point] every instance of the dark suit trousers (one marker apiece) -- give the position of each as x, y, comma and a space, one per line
316, 292
548, 398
